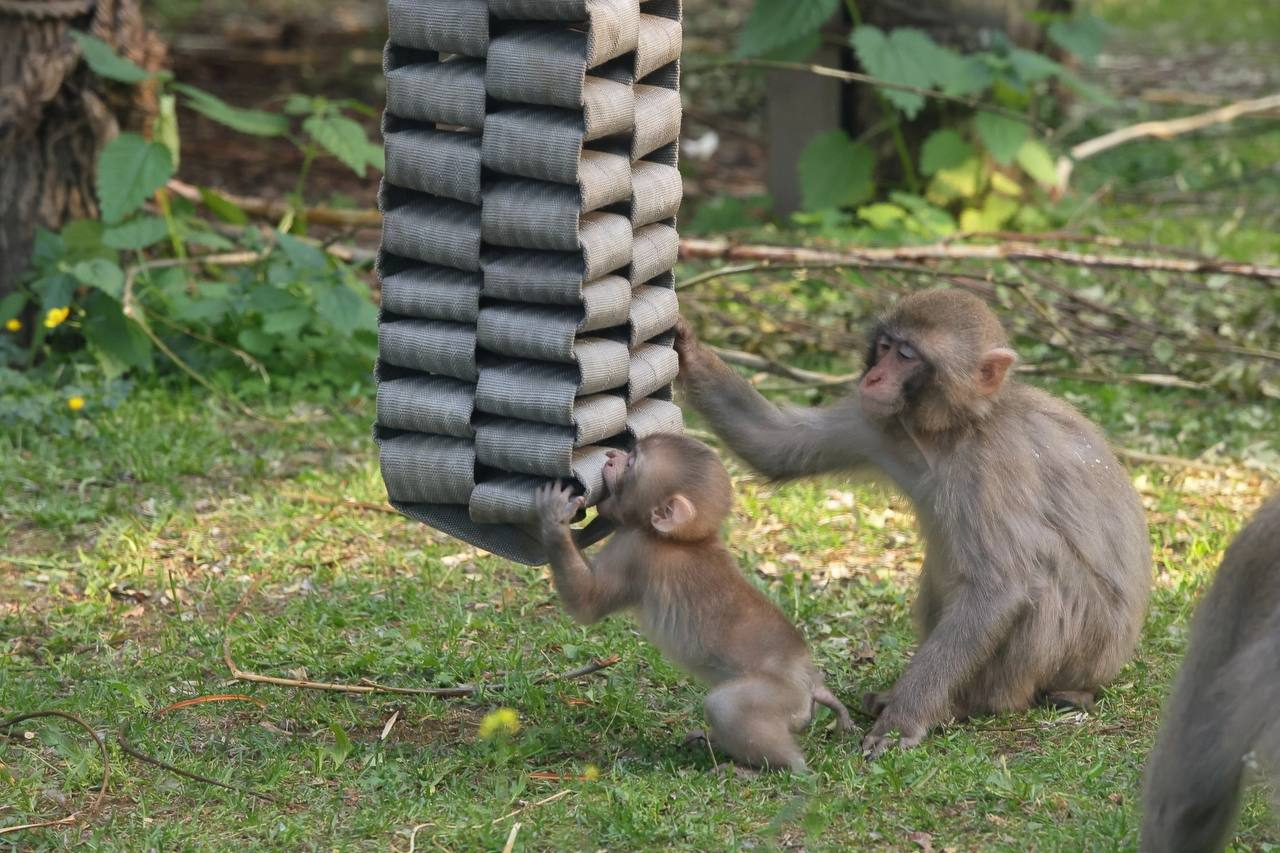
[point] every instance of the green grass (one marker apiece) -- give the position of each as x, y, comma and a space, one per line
197, 510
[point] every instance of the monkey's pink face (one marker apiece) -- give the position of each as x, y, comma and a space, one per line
885, 386
617, 465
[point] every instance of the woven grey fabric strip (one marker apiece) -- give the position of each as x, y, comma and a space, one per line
438, 231
656, 249
438, 162
652, 367
656, 193
526, 448
529, 331
428, 468
657, 119
430, 345
651, 416
433, 292
448, 26
653, 311
526, 266
660, 41
605, 303
447, 92
433, 404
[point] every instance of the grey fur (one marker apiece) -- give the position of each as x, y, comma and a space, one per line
1037, 569
1224, 712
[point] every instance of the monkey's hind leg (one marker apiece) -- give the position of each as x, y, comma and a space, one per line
1065, 700
751, 722
843, 722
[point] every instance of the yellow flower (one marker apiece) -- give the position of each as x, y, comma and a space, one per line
14, 325
55, 317
591, 773
75, 404
504, 721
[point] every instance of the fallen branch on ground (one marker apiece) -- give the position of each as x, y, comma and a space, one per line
96, 805
1012, 250
1165, 129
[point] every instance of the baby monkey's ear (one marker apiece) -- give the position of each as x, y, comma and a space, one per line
672, 515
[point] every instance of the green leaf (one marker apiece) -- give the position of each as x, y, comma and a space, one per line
835, 171
82, 236
934, 221
137, 233
254, 122
963, 75
342, 137
944, 149
1002, 136
223, 207
104, 61
165, 129
11, 306
881, 216
286, 323
299, 105
101, 274
117, 342
907, 56
256, 341
992, 216
1163, 350
302, 254
1082, 34
344, 309
54, 290
1032, 67
49, 247
129, 170
776, 24
1005, 185
958, 182
1037, 162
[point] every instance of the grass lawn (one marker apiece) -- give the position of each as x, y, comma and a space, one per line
127, 552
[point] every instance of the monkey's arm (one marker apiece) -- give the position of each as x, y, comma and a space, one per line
972, 625
589, 592
780, 443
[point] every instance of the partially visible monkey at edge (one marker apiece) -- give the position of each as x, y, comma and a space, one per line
667, 499
1037, 563
1224, 712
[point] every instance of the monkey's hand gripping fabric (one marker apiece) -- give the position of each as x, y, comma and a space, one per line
528, 239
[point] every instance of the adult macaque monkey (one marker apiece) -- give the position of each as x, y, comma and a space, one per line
1037, 566
667, 499
1224, 714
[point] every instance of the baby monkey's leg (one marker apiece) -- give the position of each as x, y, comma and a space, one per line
751, 719
843, 722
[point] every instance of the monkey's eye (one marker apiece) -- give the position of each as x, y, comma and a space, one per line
883, 345
906, 352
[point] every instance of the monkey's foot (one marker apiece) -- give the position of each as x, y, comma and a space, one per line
698, 738
1067, 699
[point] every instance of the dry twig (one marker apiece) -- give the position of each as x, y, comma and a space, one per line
96, 805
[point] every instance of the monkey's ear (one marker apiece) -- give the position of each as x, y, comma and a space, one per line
992, 369
673, 515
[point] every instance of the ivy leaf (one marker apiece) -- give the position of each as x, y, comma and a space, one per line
777, 24
303, 255
1037, 162
957, 182
129, 170
907, 56
54, 290
105, 62
117, 342
253, 122
881, 216
138, 233
1032, 67
992, 216
344, 309
1002, 136
342, 137
962, 75
1082, 34
101, 274
835, 171
11, 306
944, 149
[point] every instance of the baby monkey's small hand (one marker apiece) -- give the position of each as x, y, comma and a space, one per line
557, 505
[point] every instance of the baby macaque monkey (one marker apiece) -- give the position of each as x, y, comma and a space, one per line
667, 498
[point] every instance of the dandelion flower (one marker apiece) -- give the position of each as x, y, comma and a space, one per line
75, 404
14, 325
591, 773
55, 317
503, 721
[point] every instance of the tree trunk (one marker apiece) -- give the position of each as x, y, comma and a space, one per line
55, 114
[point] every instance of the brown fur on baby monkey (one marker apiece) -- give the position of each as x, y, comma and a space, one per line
668, 498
